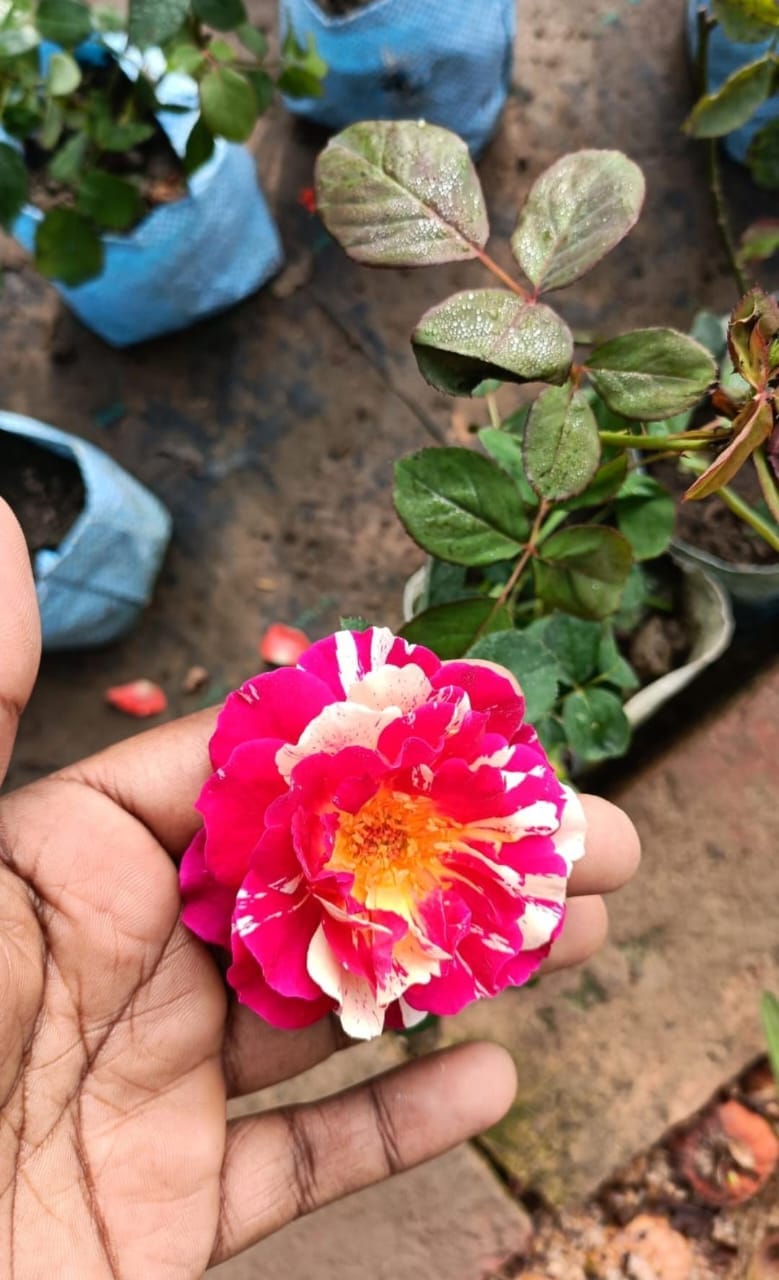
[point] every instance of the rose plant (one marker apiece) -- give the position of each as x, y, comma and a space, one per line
383, 837
537, 549
70, 111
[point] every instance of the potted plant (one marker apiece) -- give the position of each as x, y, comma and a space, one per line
120, 164
397, 59
540, 548
82, 516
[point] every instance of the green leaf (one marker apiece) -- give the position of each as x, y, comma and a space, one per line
763, 157
760, 241
769, 1016
68, 247
747, 21
575, 645
401, 194
222, 50
200, 146
222, 15
353, 623
734, 103
527, 659
16, 41
155, 21
450, 629
575, 214
13, 184
299, 82
64, 75
612, 666
65, 22
111, 202
252, 39
444, 583
582, 570
187, 58
651, 373
506, 449
53, 123
116, 135
596, 725
606, 482
487, 388
229, 104
645, 516
633, 602
67, 163
107, 19
562, 445
488, 333
459, 506
264, 89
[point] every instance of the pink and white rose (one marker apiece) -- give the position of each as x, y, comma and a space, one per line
383, 837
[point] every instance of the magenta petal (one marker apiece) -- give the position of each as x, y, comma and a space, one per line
245, 977
488, 691
278, 704
233, 803
341, 659
277, 929
207, 904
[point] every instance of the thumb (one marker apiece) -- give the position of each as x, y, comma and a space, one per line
20, 633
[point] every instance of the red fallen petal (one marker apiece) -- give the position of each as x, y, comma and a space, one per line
729, 1155
138, 698
282, 645
307, 198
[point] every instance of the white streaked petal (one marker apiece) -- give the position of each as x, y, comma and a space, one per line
361, 1017
340, 725
538, 923
411, 1017
569, 840
404, 688
347, 659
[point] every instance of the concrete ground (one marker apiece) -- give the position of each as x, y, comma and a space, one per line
270, 433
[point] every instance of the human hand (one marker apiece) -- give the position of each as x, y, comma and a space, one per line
120, 1044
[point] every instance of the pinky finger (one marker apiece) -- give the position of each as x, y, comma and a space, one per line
283, 1164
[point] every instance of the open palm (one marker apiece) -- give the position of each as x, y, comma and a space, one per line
119, 1042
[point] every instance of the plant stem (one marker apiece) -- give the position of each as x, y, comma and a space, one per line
740, 508
492, 405
674, 444
705, 26
527, 554
502, 275
767, 483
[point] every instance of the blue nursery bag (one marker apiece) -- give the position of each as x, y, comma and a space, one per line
446, 61
96, 583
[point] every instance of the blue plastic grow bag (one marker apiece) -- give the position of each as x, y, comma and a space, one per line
448, 63
94, 585
725, 57
188, 259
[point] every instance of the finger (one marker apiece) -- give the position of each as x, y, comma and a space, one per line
613, 851
584, 932
19, 631
156, 776
257, 1055
286, 1163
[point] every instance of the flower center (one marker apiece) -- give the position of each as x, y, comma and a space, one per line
393, 846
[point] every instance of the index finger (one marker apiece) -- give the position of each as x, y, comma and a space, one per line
19, 631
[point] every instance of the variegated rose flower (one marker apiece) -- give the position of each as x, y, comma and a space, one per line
383, 837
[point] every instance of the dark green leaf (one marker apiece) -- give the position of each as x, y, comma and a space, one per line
747, 21
506, 449
252, 39
223, 15
13, 184
583, 570
64, 75
355, 623
763, 158
66, 165
577, 211
65, 22
553, 740
445, 583
527, 659
116, 135
769, 1016
596, 725
633, 602
111, 202
562, 445
264, 89
613, 667
53, 123
487, 333
645, 516
229, 104
200, 146
651, 373
734, 103
575, 644
401, 194
155, 21
606, 482
459, 506
68, 247
450, 629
